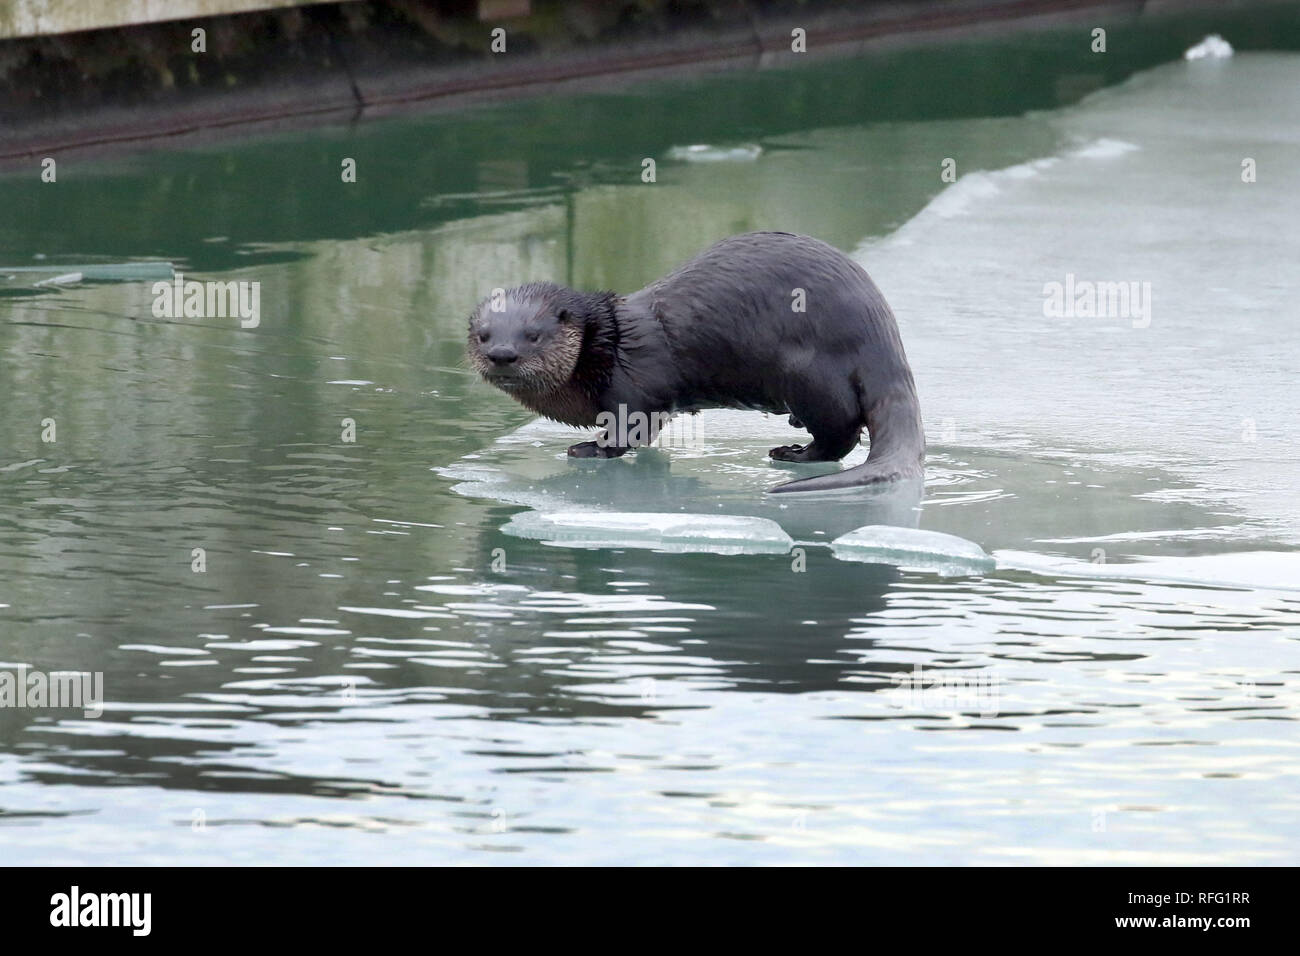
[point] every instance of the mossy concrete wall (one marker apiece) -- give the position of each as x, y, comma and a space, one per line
286, 62
32, 18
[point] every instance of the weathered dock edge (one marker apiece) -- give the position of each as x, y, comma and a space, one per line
296, 66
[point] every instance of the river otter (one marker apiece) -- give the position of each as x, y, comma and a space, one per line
723, 331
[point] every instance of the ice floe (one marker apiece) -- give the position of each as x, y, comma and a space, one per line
715, 534
911, 548
704, 153
1213, 47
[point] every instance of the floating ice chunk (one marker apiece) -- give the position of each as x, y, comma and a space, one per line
97, 272
1104, 148
1269, 570
714, 534
910, 548
472, 477
702, 153
71, 278
1213, 47
981, 186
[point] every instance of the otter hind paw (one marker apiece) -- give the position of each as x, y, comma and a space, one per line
788, 453
813, 451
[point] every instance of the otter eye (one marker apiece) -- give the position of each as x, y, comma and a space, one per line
484, 336
563, 315
532, 335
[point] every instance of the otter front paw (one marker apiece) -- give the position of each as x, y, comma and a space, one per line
594, 449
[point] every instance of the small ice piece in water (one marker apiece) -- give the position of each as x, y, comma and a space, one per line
714, 534
1104, 148
703, 153
95, 272
1213, 47
907, 547
70, 278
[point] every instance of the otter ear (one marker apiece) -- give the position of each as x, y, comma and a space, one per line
564, 315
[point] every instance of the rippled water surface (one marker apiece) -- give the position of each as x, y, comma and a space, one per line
370, 670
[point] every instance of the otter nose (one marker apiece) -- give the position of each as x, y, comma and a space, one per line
502, 354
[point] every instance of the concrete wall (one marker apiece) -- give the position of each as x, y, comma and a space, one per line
29, 18
282, 63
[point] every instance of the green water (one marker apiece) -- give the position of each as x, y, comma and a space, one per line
367, 669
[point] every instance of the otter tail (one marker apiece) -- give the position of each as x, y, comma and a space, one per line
897, 447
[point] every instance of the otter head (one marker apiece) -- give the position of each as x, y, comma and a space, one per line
527, 340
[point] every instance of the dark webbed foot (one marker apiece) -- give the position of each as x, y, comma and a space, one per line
785, 452
596, 449
809, 452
